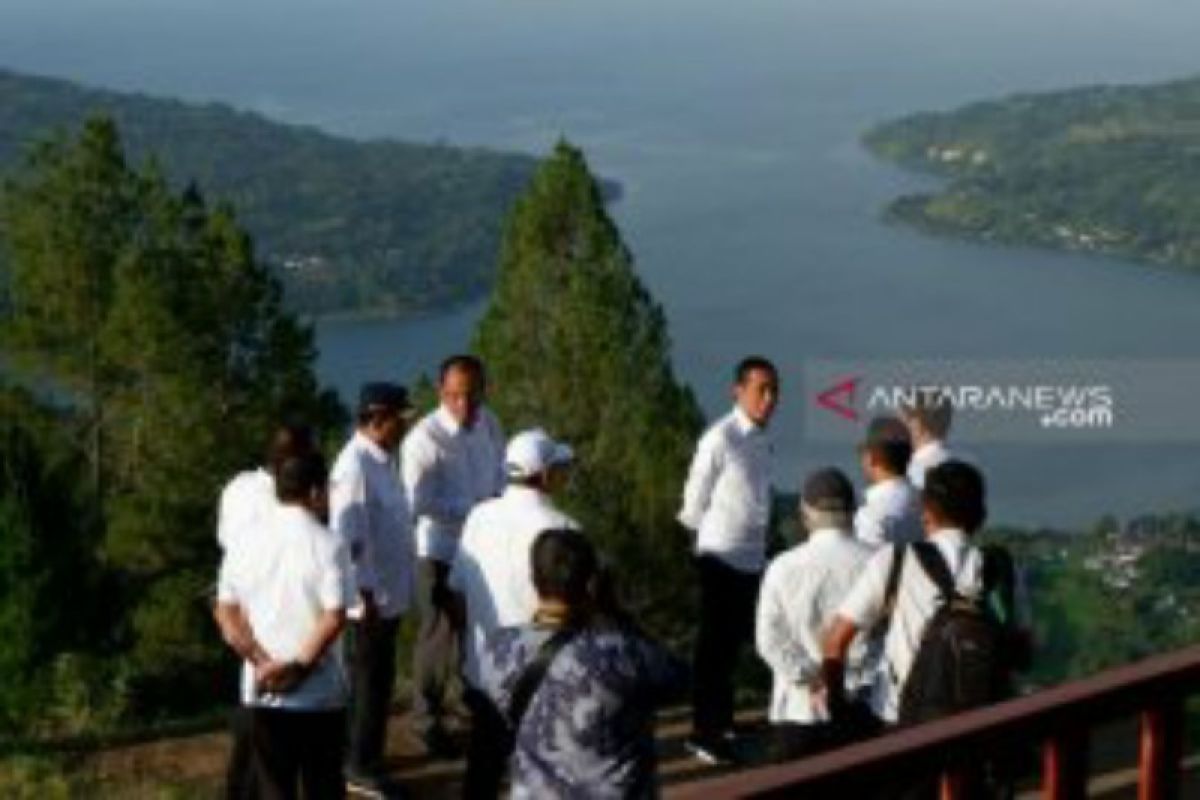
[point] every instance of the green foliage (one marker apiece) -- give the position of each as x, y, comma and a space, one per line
378, 225
1101, 169
574, 343
144, 320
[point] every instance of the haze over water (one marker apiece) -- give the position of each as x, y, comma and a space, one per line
750, 206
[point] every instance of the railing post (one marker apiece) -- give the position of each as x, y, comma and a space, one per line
1160, 750
953, 785
1065, 766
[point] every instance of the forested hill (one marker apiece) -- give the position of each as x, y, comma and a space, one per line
1107, 169
379, 225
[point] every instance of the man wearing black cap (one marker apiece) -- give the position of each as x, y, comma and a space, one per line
368, 506
801, 591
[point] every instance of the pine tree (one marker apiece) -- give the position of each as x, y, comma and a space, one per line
575, 343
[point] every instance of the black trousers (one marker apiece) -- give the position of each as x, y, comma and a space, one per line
372, 674
728, 598
437, 659
489, 748
298, 753
239, 773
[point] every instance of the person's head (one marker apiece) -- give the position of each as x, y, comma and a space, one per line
534, 459
564, 567
927, 413
827, 500
462, 388
954, 496
384, 412
288, 440
756, 388
886, 449
302, 480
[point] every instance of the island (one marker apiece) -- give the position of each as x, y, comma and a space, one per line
1111, 170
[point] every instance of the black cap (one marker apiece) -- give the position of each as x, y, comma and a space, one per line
383, 396
828, 490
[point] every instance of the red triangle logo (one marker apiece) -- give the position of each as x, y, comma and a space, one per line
839, 398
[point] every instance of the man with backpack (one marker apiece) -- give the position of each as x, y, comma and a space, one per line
951, 641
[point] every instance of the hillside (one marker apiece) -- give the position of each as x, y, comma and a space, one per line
351, 226
1105, 169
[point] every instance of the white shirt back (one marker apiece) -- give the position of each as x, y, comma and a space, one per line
492, 570
727, 497
925, 458
447, 470
890, 514
246, 503
801, 592
369, 509
917, 600
283, 579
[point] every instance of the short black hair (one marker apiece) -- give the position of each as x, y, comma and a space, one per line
564, 565
750, 364
299, 476
955, 492
464, 361
889, 441
932, 408
287, 440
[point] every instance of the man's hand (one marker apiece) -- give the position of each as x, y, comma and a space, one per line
279, 677
370, 613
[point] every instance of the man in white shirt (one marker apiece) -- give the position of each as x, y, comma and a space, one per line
727, 503
452, 460
801, 591
370, 510
244, 511
928, 419
492, 572
953, 510
891, 509
281, 604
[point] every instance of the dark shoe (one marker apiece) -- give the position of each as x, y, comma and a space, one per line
442, 746
715, 750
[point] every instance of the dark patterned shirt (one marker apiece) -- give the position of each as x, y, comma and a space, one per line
589, 729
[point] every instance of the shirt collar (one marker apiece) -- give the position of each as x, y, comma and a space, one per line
885, 487
745, 425
826, 533
951, 536
373, 450
525, 494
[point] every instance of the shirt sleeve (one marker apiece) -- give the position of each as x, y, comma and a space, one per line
227, 591
777, 643
349, 517
702, 476
863, 606
335, 587
500, 475
869, 528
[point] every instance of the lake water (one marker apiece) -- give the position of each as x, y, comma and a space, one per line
751, 208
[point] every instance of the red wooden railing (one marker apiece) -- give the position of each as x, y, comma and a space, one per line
1058, 720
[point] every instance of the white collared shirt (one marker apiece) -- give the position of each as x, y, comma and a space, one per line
890, 513
800, 594
917, 600
246, 502
925, 458
492, 570
283, 581
727, 498
368, 507
448, 469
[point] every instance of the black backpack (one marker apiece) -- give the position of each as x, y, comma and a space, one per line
964, 659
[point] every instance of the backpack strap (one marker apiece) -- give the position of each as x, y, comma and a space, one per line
931, 560
891, 589
534, 673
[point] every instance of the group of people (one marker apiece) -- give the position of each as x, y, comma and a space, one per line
518, 619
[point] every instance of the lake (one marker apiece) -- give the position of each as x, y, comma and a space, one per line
750, 206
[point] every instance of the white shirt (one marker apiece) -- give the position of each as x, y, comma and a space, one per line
447, 470
368, 507
245, 502
800, 594
492, 569
727, 497
916, 602
890, 513
283, 581
925, 458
